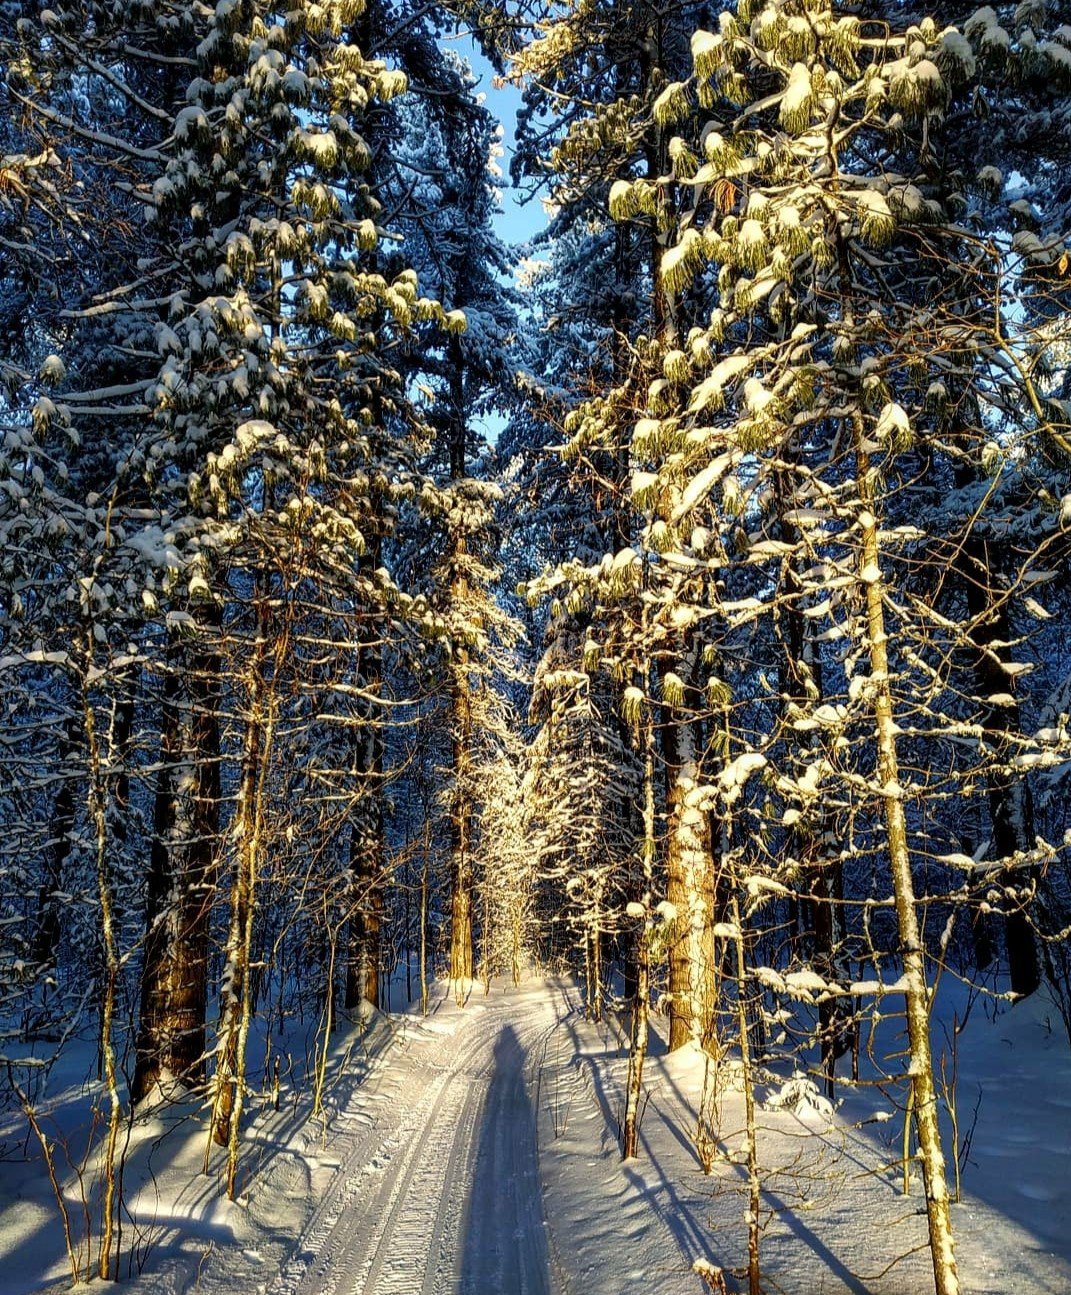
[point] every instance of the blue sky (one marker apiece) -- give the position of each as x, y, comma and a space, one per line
515, 223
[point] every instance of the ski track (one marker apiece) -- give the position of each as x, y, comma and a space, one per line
440, 1193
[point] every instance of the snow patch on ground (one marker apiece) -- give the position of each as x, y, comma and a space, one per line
834, 1219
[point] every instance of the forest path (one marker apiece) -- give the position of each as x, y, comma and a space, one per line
438, 1189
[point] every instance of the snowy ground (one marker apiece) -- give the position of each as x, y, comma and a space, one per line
474, 1153
836, 1220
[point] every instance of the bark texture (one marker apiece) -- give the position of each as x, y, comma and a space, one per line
174, 991
923, 1088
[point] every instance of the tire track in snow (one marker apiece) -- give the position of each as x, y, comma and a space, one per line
442, 1176
422, 1249
445, 1237
505, 1247
403, 1254
339, 1253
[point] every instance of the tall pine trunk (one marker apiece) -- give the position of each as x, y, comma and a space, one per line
461, 894
459, 685
747, 1076
248, 833
365, 869
367, 861
181, 882
689, 866
98, 809
920, 1055
637, 1056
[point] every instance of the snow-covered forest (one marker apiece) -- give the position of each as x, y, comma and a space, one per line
544, 766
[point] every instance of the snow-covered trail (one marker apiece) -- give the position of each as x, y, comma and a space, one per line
438, 1191
427, 1179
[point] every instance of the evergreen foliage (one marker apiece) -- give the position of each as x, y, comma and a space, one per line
679, 603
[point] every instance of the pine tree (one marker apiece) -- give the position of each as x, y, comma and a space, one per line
580, 782
611, 94
467, 377
779, 437
261, 372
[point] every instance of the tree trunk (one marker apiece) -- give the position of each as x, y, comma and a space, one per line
366, 867
98, 806
630, 1129
486, 967
689, 873
367, 862
813, 843
424, 932
754, 1203
235, 987
181, 882
122, 741
924, 1095
462, 964
248, 833
689, 888
515, 948
595, 1000
837, 1026
461, 939
47, 931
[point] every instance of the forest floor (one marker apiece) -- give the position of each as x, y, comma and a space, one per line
475, 1153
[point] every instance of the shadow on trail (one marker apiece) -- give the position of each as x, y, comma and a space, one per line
504, 1238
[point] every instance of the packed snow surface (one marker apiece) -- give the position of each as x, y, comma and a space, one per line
475, 1153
